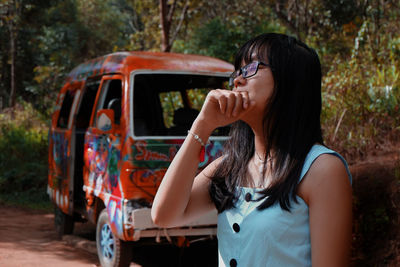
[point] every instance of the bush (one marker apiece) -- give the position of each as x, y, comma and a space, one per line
23, 156
361, 109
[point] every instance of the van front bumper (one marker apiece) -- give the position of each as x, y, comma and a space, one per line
144, 227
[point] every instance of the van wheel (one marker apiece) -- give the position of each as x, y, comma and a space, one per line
63, 223
112, 251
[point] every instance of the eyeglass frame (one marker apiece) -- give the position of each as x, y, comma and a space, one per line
240, 71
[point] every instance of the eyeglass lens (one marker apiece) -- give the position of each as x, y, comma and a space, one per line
250, 69
246, 71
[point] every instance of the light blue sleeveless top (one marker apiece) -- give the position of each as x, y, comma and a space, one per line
270, 237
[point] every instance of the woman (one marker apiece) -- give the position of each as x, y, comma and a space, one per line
283, 198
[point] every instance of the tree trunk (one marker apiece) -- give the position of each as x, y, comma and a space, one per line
11, 101
165, 27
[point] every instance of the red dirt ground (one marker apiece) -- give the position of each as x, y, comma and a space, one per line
27, 238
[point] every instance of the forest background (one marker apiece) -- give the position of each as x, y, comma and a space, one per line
358, 43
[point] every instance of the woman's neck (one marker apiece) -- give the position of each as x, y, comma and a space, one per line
259, 142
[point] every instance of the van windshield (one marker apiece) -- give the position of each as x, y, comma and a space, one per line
166, 104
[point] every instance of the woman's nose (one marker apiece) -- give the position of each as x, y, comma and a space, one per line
239, 81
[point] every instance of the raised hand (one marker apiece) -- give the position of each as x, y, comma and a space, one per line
223, 107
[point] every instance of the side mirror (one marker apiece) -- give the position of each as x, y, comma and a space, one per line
105, 121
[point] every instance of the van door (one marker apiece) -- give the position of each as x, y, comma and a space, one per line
81, 124
61, 168
103, 151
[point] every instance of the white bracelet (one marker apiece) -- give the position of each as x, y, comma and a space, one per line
198, 139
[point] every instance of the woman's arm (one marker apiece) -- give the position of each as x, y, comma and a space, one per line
181, 198
179, 188
327, 191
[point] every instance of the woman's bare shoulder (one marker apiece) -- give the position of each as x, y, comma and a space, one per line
326, 175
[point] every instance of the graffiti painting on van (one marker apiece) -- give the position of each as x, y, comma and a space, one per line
101, 180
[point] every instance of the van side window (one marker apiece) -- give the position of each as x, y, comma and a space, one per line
147, 111
87, 103
167, 104
110, 98
62, 121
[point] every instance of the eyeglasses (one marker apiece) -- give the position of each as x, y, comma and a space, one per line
246, 71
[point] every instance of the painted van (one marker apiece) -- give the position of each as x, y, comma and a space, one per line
119, 121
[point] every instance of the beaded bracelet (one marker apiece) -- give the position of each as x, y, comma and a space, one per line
198, 139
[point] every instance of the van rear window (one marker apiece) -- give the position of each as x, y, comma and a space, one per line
167, 104
62, 121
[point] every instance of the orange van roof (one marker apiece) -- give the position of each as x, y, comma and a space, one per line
125, 62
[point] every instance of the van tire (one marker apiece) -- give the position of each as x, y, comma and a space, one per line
63, 223
112, 251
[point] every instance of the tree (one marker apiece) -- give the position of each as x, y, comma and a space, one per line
145, 18
20, 20
166, 18
72, 32
10, 11
142, 24
222, 26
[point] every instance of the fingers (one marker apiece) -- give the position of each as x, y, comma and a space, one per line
223, 107
230, 103
238, 106
223, 102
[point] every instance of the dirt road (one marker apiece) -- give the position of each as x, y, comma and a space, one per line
27, 238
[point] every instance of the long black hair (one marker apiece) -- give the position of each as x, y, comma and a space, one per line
291, 123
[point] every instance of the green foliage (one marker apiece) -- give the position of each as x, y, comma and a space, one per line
221, 38
31, 199
362, 92
215, 39
197, 97
170, 101
23, 157
142, 17
69, 36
